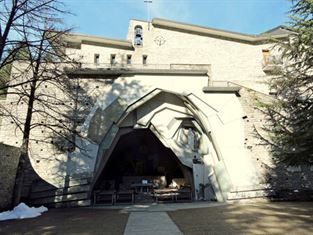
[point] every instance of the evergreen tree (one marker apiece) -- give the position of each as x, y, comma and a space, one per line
290, 116
5, 72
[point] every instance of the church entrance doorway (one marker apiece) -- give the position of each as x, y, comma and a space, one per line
141, 169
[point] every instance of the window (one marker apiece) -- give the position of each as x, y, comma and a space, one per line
96, 59
113, 59
138, 36
144, 59
266, 55
129, 59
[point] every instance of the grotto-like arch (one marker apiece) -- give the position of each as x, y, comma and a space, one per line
180, 127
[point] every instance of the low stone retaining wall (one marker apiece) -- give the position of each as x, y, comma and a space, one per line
8, 164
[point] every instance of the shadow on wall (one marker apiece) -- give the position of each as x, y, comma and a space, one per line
68, 155
74, 153
111, 105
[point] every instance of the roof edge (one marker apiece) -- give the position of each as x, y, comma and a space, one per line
221, 89
284, 27
132, 72
78, 39
205, 31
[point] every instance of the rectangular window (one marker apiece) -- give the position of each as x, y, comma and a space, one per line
129, 59
113, 59
96, 59
266, 55
144, 59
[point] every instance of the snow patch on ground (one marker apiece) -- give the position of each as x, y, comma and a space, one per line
22, 211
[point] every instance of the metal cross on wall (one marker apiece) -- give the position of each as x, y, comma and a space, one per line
159, 40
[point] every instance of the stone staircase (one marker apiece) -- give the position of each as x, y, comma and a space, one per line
74, 193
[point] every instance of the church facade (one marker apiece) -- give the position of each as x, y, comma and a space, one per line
173, 105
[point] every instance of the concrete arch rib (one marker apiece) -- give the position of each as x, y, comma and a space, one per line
163, 112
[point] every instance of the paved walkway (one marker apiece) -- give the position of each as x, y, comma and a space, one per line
152, 223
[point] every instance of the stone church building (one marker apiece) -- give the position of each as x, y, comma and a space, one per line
174, 106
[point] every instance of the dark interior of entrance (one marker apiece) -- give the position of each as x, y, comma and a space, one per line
141, 164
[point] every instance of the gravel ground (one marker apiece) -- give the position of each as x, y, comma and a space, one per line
82, 221
255, 218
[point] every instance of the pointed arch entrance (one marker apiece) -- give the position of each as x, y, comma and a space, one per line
174, 127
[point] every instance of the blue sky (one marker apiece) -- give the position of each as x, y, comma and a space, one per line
109, 18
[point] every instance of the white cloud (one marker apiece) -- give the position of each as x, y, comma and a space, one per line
171, 9
168, 9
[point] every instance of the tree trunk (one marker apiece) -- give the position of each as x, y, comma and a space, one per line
24, 161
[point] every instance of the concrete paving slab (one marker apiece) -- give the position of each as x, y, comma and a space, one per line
152, 223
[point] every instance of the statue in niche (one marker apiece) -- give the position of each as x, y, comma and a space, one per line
189, 137
193, 139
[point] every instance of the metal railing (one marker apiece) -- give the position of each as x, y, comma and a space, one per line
222, 83
145, 66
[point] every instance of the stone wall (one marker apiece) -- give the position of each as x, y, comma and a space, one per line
8, 164
230, 60
2, 102
254, 119
287, 182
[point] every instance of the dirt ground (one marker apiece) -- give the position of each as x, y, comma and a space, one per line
237, 218
82, 221
256, 218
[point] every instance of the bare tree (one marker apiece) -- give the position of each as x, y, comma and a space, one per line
18, 17
31, 34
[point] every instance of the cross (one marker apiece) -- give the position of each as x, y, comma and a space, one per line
159, 40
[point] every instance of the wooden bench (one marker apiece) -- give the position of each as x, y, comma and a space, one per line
125, 195
183, 194
102, 197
